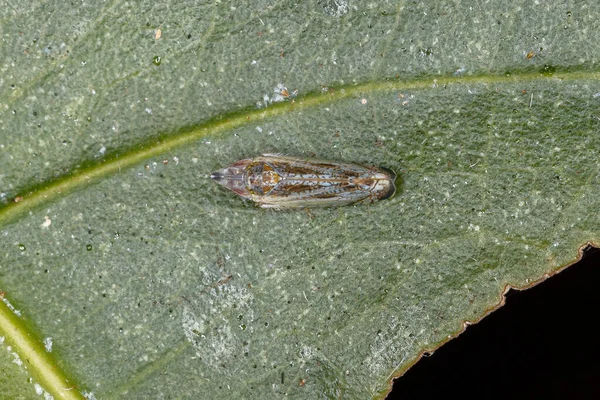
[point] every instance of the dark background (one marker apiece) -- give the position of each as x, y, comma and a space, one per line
543, 344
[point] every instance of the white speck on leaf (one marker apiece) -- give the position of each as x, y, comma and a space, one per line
88, 395
17, 360
336, 8
47, 222
281, 93
460, 71
475, 228
48, 344
11, 307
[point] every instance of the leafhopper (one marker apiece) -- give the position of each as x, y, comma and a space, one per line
280, 182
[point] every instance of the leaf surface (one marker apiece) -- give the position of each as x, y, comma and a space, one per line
152, 281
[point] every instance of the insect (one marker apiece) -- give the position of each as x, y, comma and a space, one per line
280, 182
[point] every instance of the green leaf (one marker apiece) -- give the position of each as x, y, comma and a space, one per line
151, 281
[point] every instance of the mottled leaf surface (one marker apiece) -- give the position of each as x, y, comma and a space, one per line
154, 282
